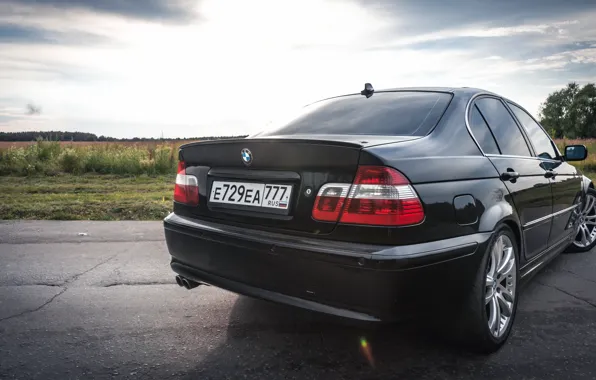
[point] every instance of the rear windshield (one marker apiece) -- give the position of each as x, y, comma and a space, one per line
384, 113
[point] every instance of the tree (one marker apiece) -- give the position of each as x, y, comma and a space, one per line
570, 112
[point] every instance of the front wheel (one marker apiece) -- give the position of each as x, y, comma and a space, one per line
585, 239
488, 314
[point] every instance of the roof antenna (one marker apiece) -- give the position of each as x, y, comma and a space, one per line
368, 90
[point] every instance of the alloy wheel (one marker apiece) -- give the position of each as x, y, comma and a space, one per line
587, 223
501, 278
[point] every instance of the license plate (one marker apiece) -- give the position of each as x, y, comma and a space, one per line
251, 194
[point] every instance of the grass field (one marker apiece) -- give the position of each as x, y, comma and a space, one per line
51, 158
95, 181
88, 196
107, 181
140, 144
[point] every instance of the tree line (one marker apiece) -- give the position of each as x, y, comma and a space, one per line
84, 136
570, 112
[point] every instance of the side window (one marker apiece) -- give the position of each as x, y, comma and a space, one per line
542, 143
510, 139
481, 132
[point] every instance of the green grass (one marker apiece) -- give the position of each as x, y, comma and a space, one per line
109, 181
86, 197
51, 157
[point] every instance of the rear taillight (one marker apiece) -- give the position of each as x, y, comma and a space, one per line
379, 196
330, 201
187, 187
382, 196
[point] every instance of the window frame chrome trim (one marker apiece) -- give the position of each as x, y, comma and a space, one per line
522, 157
560, 158
517, 122
466, 119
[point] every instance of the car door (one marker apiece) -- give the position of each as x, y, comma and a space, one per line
522, 173
566, 182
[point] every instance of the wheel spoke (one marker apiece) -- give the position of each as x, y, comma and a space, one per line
582, 235
590, 217
492, 321
490, 294
506, 261
505, 306
507, 294
590, 222
589, 204
499, 296
492, 271
588, 234
508, 270
497, 325
497, 254
585, 235
489, 281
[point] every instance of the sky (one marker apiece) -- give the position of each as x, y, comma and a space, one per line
189, 68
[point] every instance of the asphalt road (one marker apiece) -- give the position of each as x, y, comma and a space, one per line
106, 306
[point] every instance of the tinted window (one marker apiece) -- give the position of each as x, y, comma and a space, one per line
540, 140
482, 133
384, 113
508, 136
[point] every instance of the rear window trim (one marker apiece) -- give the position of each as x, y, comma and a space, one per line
447, 105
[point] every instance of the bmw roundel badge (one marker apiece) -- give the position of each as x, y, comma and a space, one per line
246, 156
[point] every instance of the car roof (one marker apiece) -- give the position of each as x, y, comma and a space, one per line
458, 91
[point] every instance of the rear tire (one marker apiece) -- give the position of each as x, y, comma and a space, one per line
487, 316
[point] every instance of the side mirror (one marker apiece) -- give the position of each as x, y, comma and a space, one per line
576, 152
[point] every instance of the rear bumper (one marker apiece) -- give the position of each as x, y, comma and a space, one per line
360, 281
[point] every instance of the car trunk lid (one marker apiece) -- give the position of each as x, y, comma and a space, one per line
294, 167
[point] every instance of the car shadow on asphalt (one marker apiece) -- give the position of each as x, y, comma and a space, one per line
266, 340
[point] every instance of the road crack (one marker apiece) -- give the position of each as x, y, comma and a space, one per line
77, 276
37, 308
578, 276
137, 283
568, 293
64, 289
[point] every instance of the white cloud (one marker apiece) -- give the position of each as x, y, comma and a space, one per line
232, 70
480, 31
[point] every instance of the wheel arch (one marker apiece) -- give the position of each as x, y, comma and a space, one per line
499, 214
515, 228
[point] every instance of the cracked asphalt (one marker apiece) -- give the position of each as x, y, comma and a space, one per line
106, 306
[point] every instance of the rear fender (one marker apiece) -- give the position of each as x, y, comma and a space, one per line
495, 215
499, 214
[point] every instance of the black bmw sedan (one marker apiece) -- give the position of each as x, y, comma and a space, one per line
382, 205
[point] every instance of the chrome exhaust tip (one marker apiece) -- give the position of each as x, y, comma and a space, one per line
179, 281
189, 284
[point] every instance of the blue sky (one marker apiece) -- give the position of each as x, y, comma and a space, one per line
129, 68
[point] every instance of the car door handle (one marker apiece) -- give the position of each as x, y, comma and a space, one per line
550, 174
509, 176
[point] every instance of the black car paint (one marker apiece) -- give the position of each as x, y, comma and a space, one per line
367, 282
442, 167
532, 196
